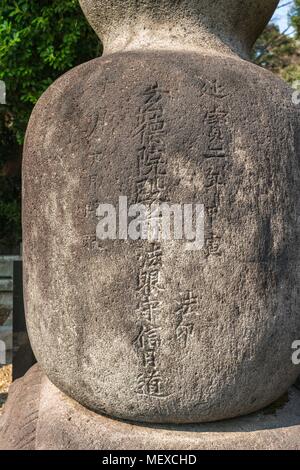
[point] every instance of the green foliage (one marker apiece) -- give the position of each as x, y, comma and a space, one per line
39, 41
10, 186
295, 17
273, 49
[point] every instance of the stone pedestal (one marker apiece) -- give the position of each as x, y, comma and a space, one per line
48, 419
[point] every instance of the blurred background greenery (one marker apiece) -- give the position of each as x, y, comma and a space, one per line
40, 40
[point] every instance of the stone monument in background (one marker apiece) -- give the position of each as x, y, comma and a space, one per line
146, 331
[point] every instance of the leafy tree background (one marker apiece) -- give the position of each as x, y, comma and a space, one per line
39, 41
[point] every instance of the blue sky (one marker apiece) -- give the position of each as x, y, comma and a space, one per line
281, 16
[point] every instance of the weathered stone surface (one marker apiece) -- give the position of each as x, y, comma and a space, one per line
180, 24
222, 320
62, 424
19, 420
5, 381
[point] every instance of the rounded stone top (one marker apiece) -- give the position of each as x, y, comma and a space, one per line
227, 25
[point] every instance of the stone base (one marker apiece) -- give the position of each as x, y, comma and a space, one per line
38, 416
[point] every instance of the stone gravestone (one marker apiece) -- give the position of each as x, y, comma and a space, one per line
6, 288
157, 331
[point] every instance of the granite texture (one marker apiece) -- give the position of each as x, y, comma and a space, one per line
152, 332
50, 420
225, 25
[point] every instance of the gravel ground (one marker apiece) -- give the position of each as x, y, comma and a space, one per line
5, 381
